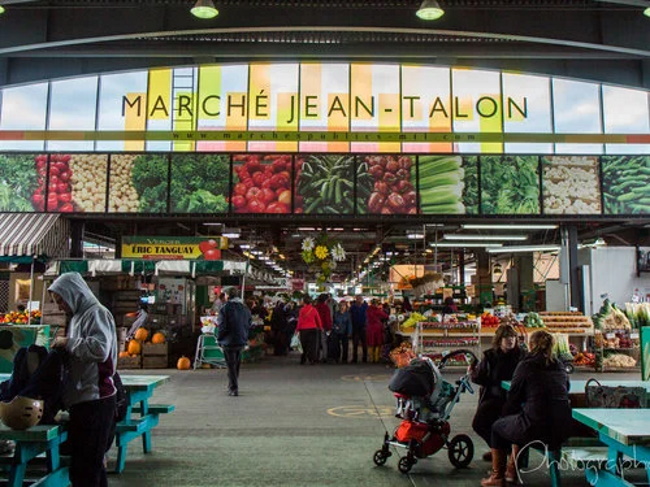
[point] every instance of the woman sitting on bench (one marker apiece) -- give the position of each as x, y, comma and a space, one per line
537, 410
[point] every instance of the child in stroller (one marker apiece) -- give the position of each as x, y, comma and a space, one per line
424, 403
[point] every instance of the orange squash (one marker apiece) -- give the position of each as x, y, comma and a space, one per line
141, 334
124, 354
183, 363
158, 337
134, 347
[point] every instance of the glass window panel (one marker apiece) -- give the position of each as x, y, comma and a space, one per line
73, 105
262, 183
77, 183
324, 184
23, 108
122, 106
626, 111
577, 111
625, 185
571, 185
448, 184
527, 101
476, 107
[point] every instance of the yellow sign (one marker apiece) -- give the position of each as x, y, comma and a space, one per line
173, 248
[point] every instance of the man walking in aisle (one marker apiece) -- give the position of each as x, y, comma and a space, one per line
234, 322
358, 315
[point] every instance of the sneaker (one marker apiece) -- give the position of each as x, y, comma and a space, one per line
233, 393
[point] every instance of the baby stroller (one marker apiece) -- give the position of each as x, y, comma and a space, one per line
424, 403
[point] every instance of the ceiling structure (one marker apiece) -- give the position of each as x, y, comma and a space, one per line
584, 39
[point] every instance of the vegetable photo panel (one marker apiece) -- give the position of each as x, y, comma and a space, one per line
138, 183
510, 185
77, 183
325, 184
625, 185
22, 182
386, 185
571, 185
261, 183
199, 183
443, 189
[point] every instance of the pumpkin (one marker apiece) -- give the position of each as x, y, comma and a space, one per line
134, 347
124, 354
183, 363
141, 334
158, 338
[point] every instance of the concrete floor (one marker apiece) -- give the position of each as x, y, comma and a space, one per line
294, 425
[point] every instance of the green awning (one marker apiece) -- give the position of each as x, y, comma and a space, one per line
208, 266
80, 266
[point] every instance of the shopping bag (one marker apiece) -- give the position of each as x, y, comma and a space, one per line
295, 343
614, 397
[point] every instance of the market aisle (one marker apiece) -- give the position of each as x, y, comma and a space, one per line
292, 426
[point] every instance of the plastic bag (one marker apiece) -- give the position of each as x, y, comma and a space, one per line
295, 343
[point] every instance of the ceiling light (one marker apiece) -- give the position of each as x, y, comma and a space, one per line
244, 246
210, 224
483, 238
2, 10
430, 10
204, 9
415, 236
646, 12
491, 226
454, 245
525, 248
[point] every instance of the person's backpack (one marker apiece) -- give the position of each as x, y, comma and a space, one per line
121, 403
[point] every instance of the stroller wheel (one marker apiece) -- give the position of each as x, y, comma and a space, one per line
380, 457
460, 451
405, 463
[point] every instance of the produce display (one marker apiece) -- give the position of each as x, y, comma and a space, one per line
585, 359
571, 185
262, 183
449, 325
489, 321
402, 355
533, 320
391, 189
510, 185
618, 360
566, 322
411, 322
199, 183
625, 184
638, 314
450, 342
325, 184
21, 317
618, 339
441, 184
138, 183
19, 181
609, 317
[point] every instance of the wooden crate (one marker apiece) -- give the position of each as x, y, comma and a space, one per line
154, 362
129, 362
149, 349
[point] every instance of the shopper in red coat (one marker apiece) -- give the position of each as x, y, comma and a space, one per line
375, 317
309, 326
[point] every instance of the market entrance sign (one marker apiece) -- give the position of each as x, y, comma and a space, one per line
173, 248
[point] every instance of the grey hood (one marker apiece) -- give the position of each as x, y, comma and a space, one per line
74, 291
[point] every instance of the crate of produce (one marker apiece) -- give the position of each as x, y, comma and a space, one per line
130, 362
154, 362
149, 349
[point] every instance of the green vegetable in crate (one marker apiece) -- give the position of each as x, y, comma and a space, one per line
625, 184
441, 184
533, 320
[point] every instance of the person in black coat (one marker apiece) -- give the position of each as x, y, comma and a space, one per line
280, 329
537, 410
234, 323
498, 364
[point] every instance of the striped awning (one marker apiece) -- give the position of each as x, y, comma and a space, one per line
33, 235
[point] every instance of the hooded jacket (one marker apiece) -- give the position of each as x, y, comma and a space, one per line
92, 342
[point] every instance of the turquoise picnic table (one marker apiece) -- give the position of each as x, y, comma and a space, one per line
578, 386
626, 433
141, 417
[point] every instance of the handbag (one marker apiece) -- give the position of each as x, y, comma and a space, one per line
614, 397
295, 343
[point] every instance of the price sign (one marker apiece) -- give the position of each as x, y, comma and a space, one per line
634, 335
610, 336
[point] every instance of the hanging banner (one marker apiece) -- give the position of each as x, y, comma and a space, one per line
173, 248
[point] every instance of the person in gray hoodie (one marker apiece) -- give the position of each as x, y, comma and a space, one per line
90, 346
234, 322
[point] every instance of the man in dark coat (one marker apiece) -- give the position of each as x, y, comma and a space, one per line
358, 315
234, 323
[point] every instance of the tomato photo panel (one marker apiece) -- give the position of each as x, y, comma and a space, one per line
261, 183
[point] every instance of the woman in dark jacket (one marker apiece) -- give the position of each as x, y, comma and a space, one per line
538, 408
498, 364
280, 329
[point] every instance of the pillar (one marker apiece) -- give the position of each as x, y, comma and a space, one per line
76, 239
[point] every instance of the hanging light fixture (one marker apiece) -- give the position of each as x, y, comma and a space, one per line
497, 269
204, 9
646, 12
2, 9
430, 10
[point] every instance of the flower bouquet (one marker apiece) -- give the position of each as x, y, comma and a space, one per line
322, 254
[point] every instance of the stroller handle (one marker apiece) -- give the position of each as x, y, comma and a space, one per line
455, 353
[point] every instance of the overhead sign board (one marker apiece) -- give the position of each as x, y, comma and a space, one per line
173, 248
